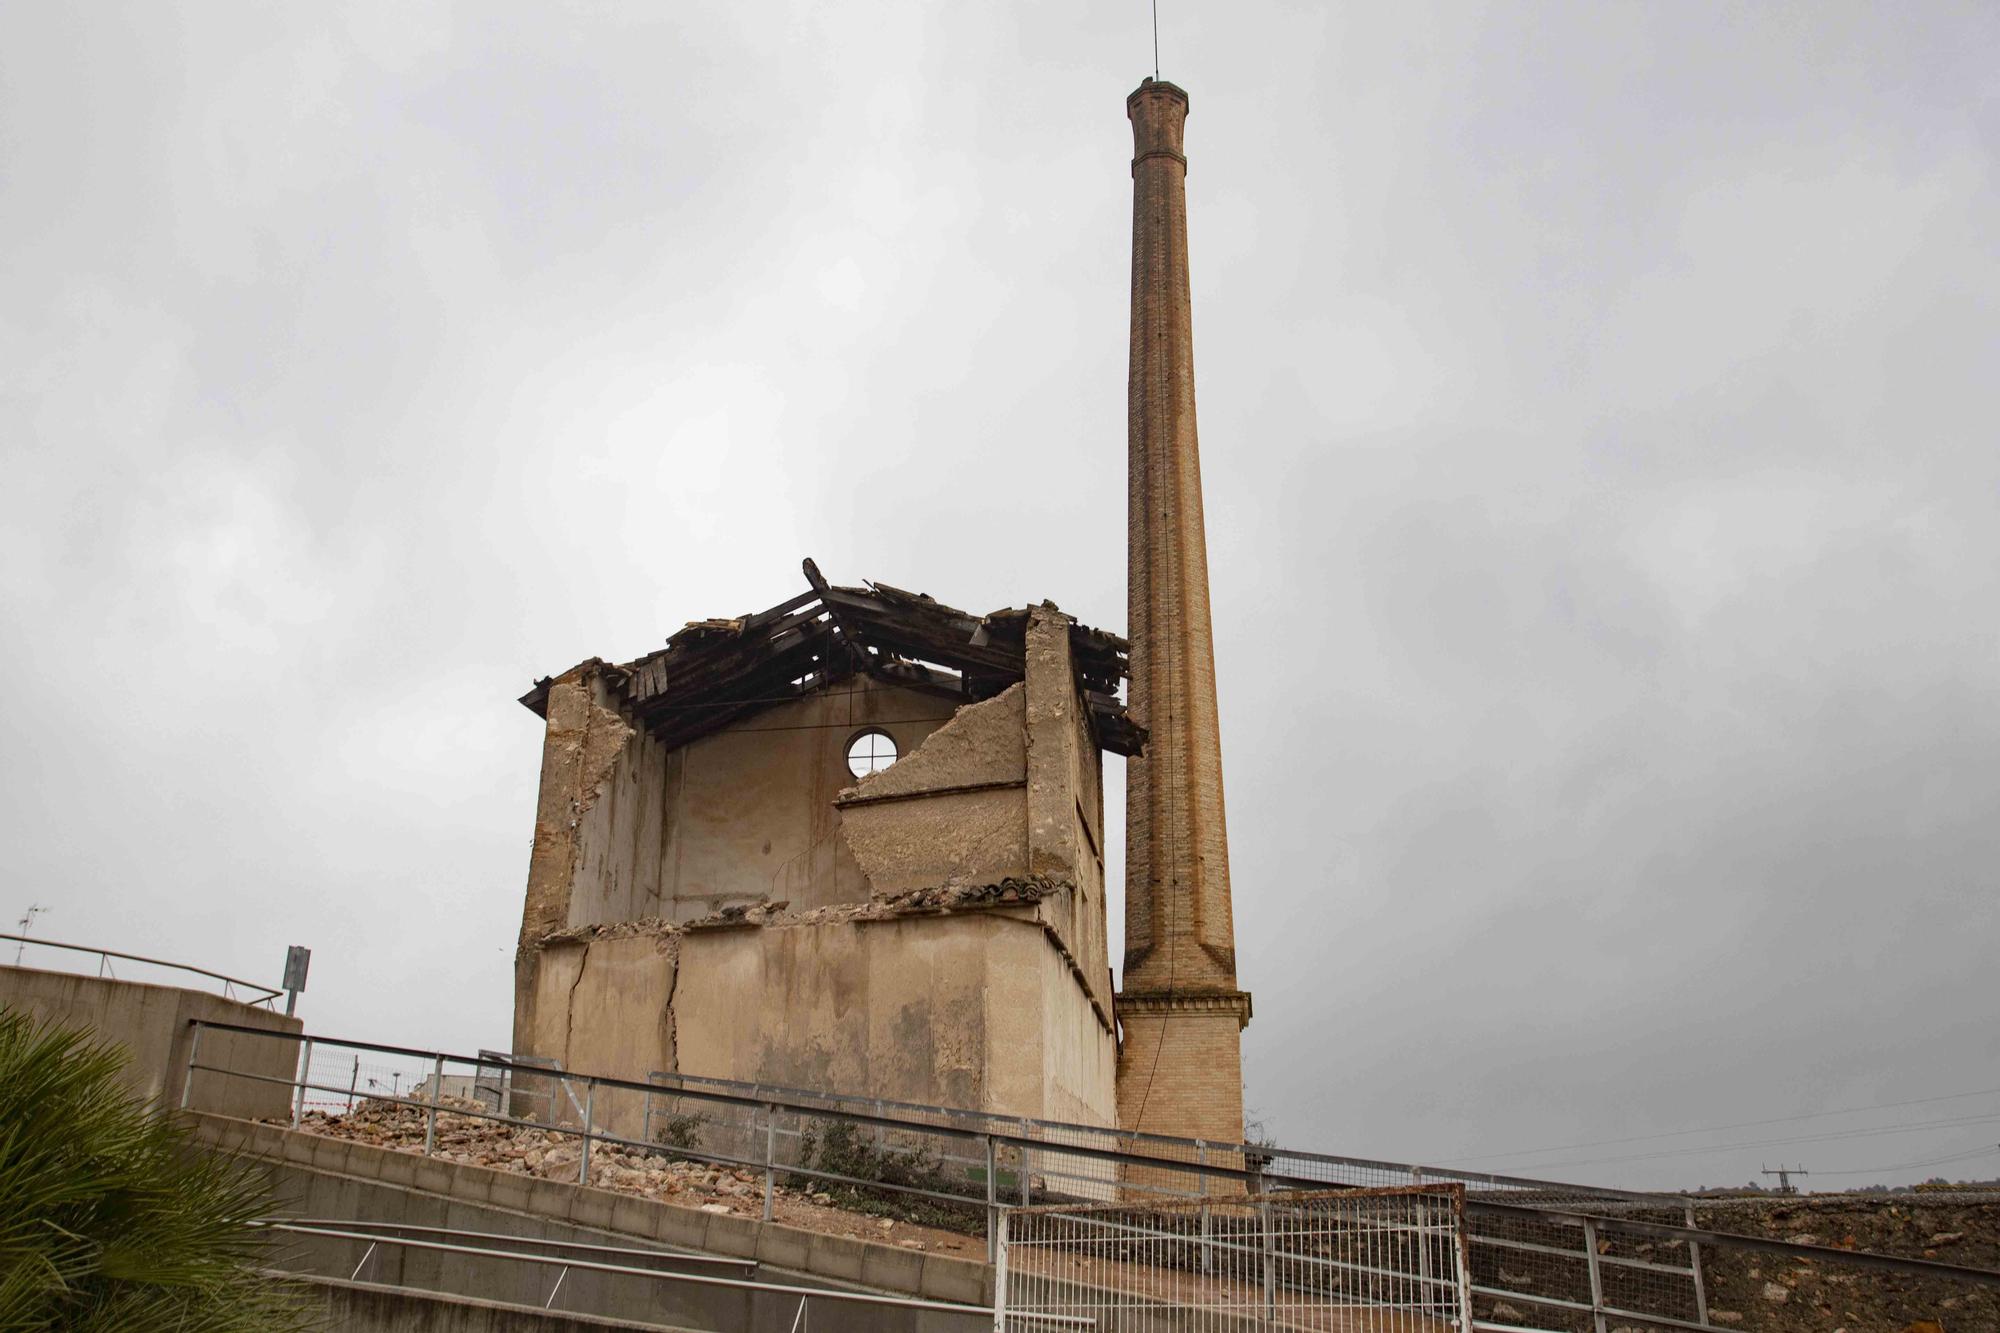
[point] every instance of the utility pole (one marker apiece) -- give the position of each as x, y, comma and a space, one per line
1784, 1174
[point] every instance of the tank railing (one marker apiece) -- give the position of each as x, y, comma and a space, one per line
256, 993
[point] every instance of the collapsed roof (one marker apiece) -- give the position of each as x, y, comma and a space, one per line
714, 672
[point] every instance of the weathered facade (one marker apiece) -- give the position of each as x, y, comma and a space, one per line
712, 891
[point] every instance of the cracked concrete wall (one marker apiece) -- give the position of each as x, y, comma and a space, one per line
972, 1009
606, 1006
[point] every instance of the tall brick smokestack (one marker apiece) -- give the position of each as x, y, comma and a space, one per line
1180, 1063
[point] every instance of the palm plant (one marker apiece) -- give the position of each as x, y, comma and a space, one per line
110, 1218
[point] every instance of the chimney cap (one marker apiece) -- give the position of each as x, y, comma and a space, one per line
1158, 88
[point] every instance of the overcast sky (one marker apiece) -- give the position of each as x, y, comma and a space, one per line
1598, 409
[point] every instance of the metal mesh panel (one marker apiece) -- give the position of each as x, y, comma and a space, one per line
1374, 1261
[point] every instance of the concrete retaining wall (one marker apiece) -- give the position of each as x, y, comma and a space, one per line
151, 1023
338, 1178
361, 1307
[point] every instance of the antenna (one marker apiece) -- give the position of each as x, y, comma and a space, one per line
27, 923
1784, 1174
1156, 40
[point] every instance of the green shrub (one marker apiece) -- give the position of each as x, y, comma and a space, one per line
679, 1131
839, 1148
111, 1221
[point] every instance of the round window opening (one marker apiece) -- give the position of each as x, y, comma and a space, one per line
870, 752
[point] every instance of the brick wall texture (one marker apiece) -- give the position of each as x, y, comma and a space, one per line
1179, 936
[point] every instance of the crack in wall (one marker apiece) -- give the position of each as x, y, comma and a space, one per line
673, 953
569, 1011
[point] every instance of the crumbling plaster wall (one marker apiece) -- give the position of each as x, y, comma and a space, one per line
627, 830
1004, 1009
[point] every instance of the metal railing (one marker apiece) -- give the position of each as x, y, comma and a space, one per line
1575, 1256
380, 1237
1356, 1261
257, 994
1200, 1158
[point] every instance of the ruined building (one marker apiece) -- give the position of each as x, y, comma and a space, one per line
855, 842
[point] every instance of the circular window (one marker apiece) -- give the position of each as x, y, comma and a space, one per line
870, 752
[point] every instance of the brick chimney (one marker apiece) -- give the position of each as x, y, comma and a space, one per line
1180, 1064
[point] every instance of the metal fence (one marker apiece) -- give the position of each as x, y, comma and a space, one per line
1543, 1256
233, 988
1349, 1261
1062, 1161
1572, 1272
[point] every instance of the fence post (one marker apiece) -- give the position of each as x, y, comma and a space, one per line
1270, 1266
583, 1158
770, 1158
1461, 1257
1596, 1275
1025, 1150
1694, 1264
305, 1076
353, 1081
992, 1196
1207, 1218
431, 1116
187, 1083
1000, 1275
1424, 1274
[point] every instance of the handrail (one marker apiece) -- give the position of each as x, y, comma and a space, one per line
1004, 1128
268, 993
998, 1137
786, 1093
697, 1279
549, 1242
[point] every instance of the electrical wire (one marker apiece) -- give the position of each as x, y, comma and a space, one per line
1712, 1149
1717, 1129
1912, 1166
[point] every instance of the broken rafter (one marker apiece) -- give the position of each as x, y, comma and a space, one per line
713, 672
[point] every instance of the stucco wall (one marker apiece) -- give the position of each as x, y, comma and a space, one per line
151, 1023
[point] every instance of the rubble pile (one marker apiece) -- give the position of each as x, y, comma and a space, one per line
465, 1136
549, 1154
